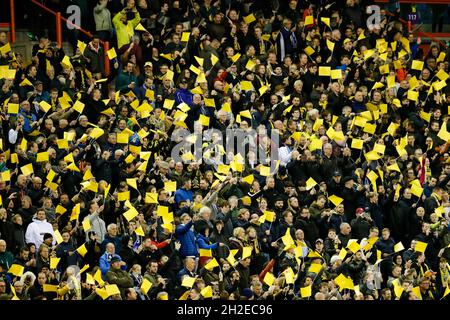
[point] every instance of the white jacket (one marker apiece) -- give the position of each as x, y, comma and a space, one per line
36, 230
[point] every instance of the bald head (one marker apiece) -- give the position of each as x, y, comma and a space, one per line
2, 245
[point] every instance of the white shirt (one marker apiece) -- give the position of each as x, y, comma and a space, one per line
284, 155
36, 230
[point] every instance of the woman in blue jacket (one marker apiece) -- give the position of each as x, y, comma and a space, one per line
204, 243
186, 236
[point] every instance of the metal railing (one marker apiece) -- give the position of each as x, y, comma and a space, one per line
59, 32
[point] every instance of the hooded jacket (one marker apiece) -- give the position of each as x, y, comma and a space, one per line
36, 230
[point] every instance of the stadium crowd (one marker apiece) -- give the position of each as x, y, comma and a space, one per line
94, 206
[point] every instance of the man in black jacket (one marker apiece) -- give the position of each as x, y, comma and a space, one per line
308, 226
353, 196
401, 217
361, 225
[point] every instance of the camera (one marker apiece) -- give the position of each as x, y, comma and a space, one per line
130, 14
366, 215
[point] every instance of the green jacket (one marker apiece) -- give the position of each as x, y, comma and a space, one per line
124, 79
6, 258
121, 278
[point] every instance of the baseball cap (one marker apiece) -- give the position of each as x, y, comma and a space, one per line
337, 173
148, 64
319, 240
115, 259
347, 179
346, 40
359, 210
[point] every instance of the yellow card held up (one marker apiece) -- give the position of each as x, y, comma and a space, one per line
421, 246
417, 65
324, 71
309, 20
336, 74
146, 285
269, 279
112, 53
170, 186
42, 157
250, 18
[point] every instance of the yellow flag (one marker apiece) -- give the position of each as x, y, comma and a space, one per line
16, 269
145, 286
310, 183
421, 246
82, 250
185, 37
342, 254
45, 106
416, 190
112, 289
132, 183
309, 51
417, 65
5, 49
269, 216
60, 209
199, 60
330, 45
416, 291
250, 18
98, 278
13, 108
315, 268
204, 120
66, 62
86, 225
58, 237
207, 292
335, 200
399, 247
73, 167
447, 291
49, 288
306, 291
269, 279
250, 65
309, 20
54, 262
78, 106
214, 59
246, 252
442, 75
140, 27
336, 74
42, 157
27, 169
354, 247
130, 214
235, 57
324, 71
188, 282
212, 264
249, 179
170, 186
326, 20
112, 53
357, 144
